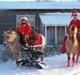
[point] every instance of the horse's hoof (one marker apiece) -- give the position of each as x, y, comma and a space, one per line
18, 62
68, 65
76, 63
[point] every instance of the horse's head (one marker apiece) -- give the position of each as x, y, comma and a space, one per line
74, 29
9, 36
73, 33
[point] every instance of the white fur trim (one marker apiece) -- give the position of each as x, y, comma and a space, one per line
24, 18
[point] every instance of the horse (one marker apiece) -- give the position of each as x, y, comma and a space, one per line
72, 46
13, 40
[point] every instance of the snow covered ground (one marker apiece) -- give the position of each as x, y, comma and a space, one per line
55, 65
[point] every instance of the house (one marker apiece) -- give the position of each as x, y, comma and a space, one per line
51, 18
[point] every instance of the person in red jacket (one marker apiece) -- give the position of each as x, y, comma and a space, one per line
24, 30
37, 38
74, 21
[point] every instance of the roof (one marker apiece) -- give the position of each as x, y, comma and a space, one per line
39, 5
56, 19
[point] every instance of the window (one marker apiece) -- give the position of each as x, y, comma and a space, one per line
60, 34
50, 35
31, 19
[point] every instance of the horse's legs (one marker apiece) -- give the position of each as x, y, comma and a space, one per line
18, 58
73, 60
68, 62
76, 59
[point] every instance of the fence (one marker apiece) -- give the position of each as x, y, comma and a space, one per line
6, 54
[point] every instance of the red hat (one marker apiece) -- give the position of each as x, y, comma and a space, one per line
75, 13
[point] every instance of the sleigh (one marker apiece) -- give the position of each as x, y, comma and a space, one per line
32, 53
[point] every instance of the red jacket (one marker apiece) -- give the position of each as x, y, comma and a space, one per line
76, 22
37, 41
24, 29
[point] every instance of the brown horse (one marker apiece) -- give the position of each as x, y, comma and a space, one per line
72, 45
12, 39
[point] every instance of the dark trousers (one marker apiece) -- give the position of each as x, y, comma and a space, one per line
21, 40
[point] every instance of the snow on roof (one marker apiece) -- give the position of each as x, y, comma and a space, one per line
57, 19
39, 5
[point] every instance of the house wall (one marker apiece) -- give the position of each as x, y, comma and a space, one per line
8, 20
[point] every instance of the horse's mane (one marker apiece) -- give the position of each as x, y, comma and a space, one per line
13, 36
73, 33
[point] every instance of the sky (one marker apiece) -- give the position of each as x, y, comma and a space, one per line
42, 0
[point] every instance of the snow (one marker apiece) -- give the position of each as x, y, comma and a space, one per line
55, 19
39, 5
55, 65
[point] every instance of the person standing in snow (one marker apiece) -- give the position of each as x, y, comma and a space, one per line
74, 21
24, 30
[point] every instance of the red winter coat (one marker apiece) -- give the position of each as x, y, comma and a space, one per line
76, 22
24, 29
37, 41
